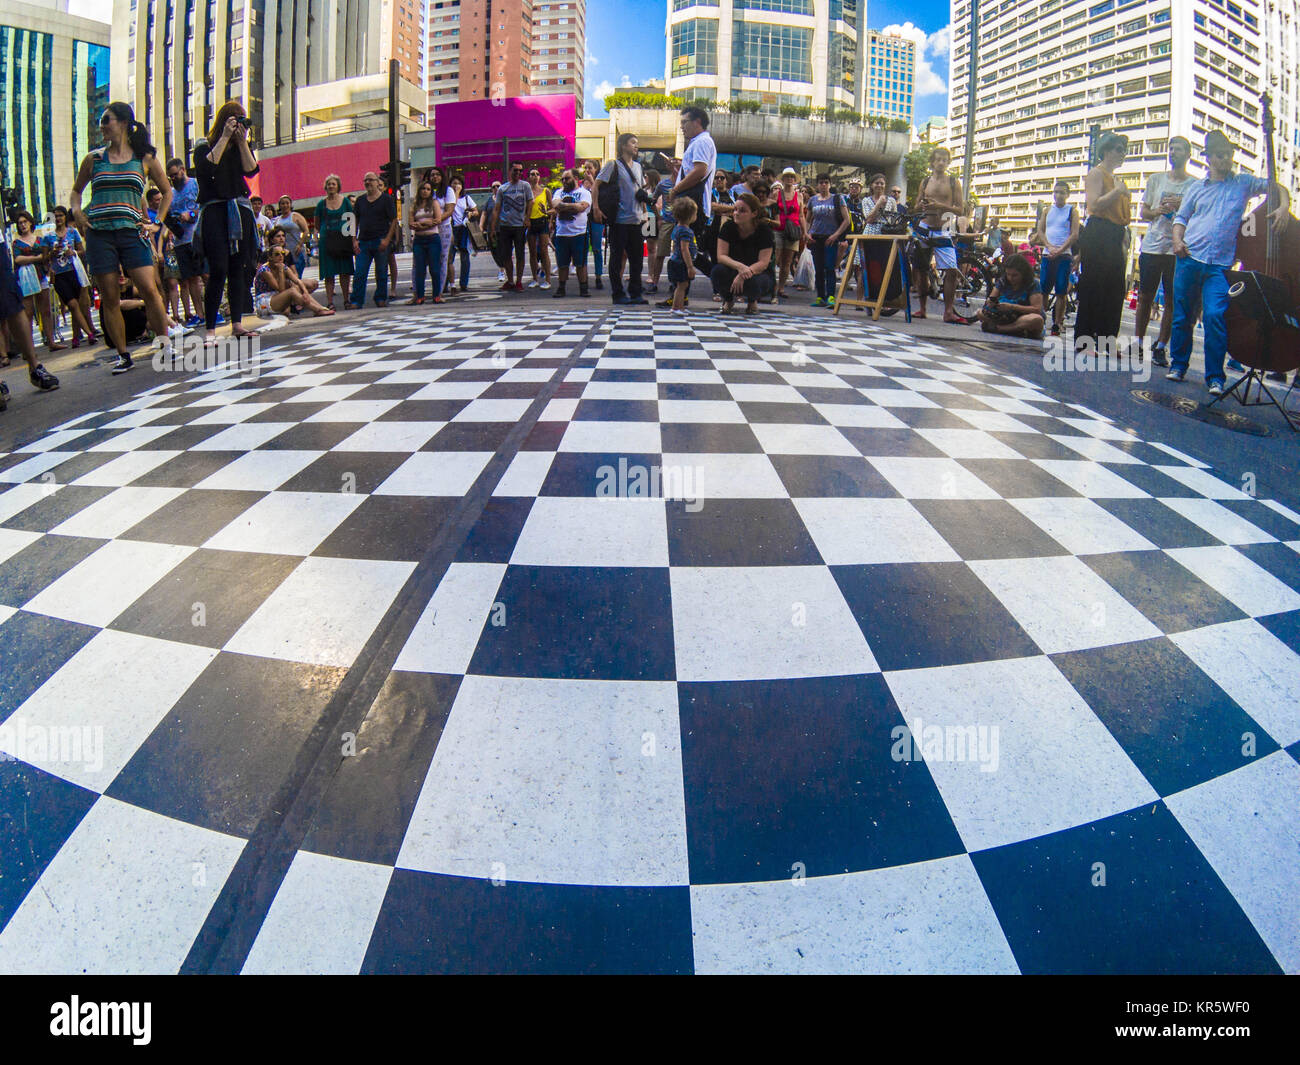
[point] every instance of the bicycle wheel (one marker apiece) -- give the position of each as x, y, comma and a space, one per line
975, 275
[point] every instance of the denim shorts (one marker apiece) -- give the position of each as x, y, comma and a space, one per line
677, 274
108, 249
571, 251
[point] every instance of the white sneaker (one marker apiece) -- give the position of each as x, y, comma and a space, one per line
543, 283
533, 283
501, 275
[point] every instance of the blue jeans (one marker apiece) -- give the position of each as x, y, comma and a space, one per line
428, 256
824, 254
368, 254
1197, 281
461, 236
596, 231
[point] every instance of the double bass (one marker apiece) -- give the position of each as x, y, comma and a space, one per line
1263, 316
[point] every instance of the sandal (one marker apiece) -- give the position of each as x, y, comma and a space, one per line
436, 299
415, 301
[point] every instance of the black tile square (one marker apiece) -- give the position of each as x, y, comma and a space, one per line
708, 438
41, 563
182, 438
1151, 480
77, 466
469, 436
57, 507
830, 476
1163, 908
1286, 627
430, 923
544, 436
226, 747
1279, 559
892, 443
424, 410
929, 418
617, 410
38, 812
987, 528
588, 473
1164, 527
364, 814
284, 411
1018, 478
703, 390
1264, 518
1169, 594
738, 532
316, 436
33, 647
1178, 726
907, 610
762, 413
574, 622
186, 470
393, 528
493, 536
346, 471
1036, 445
193, 517
778, 773
207, 597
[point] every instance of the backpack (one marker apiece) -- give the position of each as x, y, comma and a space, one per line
610, 196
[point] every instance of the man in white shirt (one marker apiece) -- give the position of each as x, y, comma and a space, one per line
572, 204
1156, 260
699, 161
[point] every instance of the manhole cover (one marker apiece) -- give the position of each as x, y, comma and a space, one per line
1224, 419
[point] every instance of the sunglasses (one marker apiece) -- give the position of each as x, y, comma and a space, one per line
106, 121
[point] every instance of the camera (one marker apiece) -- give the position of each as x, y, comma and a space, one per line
244, 121
643, 197
9, 198
173, 221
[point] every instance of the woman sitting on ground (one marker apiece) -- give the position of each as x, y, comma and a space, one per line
745, 249
1015, 306
274, 290
277, 240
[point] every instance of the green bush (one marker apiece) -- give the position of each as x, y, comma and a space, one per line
656, 101
743, 107
795, 111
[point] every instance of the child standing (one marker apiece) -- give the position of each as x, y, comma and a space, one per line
681, 265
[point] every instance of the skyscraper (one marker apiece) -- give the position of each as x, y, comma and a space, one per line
802, 52
177, 61
54, 71
480, 49
1049, 71
890, 83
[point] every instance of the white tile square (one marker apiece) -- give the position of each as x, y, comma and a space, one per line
564, 531
920, 478
1081, 526
444, 638
1239, 580
1090, 479
452, 390
1198, 480
324, 394
37, 465
774, 393
286, 523
390, 436
321, 919
111, 719
1096, 449
725, 476
1259, 671
924, 918
992, 421
968, 444
323, 612
851, 531
859, 415
260, 471
525, 475
21, 496
355, 410
244, 436
697, 411
1082, 610
897, 397
1097, 428
494, 410
634, 438
53, 441
642, 390
14, 540
1044, 761
779, 439
552, 779
1218, 521
232, 414
133, 438
125, 468
763, 622
435, 473
127, 893
559, 410
104, 583
1244, 823
116, 512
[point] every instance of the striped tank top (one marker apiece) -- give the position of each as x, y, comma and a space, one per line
116, 190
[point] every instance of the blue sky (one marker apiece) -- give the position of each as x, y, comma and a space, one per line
625, 46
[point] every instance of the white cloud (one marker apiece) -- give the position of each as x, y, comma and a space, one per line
601, 89
928, 81
592, 61
99, 10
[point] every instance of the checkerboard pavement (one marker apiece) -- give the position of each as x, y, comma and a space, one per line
662, 732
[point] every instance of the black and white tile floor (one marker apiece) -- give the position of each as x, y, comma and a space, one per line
518, 726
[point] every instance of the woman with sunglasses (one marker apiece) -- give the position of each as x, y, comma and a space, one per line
112, 222
227, 227
539, 232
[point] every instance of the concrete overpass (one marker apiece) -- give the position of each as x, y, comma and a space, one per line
867, 147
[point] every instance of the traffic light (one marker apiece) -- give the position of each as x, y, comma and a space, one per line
388, 177
405, 175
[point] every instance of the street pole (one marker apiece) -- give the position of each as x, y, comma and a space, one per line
967, 164
392, 127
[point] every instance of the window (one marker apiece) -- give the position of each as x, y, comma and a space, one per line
768, 51
695, 47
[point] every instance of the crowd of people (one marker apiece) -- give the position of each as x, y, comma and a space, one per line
167, 250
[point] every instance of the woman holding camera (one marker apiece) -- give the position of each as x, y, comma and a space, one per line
227, 228
31, 257
1015, 305
112, 223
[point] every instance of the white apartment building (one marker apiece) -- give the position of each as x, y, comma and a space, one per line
1050, 70
802, 52
1282, 62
